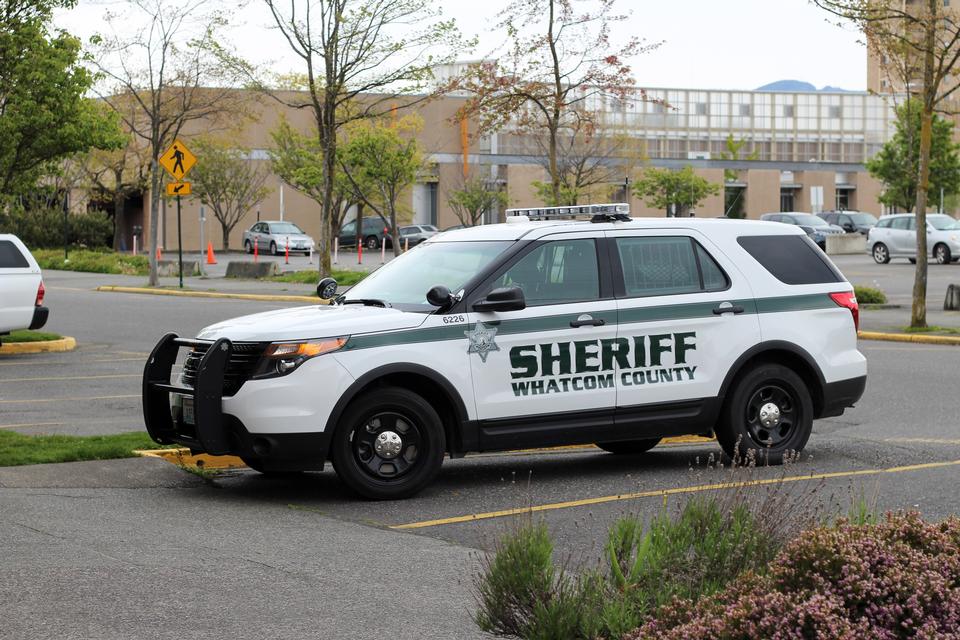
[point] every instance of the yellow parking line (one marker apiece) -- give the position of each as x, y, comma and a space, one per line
667, 492
30, 424
51, 378
34, 363
75, 399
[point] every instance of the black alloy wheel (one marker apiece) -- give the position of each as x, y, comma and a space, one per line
389, 444
768, 412
629, 447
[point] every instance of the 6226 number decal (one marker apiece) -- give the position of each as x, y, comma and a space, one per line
454, 319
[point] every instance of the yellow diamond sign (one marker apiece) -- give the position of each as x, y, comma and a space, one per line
178, 160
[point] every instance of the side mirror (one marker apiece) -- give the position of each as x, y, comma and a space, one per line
327, 288
440, 296
502, 299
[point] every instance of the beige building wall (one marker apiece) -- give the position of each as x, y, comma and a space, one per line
763, 192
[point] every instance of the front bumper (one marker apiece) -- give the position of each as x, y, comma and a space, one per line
213, 431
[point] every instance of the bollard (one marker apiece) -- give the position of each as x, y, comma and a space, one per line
256, 251
310, 258
383, 251
336, 251
134, 245
286, 252
360, 253
406, 245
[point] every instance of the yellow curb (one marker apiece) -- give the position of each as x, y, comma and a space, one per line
49, 346
209, 294
202, 460
909, 337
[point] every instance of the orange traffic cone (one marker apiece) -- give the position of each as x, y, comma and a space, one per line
159, 254
210, 257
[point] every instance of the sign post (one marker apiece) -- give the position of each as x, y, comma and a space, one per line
203, 219
178, 160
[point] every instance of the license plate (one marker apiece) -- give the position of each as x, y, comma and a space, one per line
186, 410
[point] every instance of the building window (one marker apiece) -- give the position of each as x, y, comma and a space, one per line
843, 200
786, 200
834, 111
700, 108
744, 110
788, 111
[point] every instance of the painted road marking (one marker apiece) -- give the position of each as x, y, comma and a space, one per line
37, 400
661, 493
33, 363
51, 378
923, 440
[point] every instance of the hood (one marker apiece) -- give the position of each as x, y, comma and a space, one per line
320, 321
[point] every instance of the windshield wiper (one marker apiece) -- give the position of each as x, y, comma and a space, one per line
367, 302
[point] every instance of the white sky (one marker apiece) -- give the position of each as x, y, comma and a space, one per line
709, 44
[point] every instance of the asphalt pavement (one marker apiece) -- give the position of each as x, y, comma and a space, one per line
138, 548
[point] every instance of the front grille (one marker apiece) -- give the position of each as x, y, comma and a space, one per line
243, 362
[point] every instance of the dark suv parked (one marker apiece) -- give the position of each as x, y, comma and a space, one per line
373, 233
851, 221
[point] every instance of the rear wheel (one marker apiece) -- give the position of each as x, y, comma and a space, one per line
388, 445
881, 255
273, 249
941, 254
769, 412
371, 242
247, 246
629, 447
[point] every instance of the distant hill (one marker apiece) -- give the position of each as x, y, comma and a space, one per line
795, 85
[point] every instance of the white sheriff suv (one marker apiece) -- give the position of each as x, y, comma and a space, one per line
546, 330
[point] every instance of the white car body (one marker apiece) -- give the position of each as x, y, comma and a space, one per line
20, 286
895, 236
615, 368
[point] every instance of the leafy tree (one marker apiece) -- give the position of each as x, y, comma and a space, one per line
164, 76
387, 159
733, 197
228, 182
559, 59
360, 52
112, 176
677, 190
475, 197
44, 114
918, 44
896, 165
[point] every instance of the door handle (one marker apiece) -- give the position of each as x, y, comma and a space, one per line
585, 320
726, 307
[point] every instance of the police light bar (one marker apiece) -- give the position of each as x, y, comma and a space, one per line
596, 212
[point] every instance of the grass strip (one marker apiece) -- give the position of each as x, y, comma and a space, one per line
344, 278
17, 449
23, 335
932, 329
93, 261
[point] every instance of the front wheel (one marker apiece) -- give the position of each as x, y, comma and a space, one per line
389, 444
247, 247
273, 249
881, 255
629, 447
768, 413
941, 254
371, 242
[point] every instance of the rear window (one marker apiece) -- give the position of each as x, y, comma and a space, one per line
10, 256
791, 259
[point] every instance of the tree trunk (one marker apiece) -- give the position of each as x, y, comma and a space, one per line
118, 226
918, 314
359, 225
394, 230
226, 238
154, 217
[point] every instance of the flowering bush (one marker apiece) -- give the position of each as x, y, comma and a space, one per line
896, 579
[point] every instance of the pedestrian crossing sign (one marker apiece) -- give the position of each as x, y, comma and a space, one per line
178, 160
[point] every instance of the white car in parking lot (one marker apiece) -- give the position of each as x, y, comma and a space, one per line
540, 332
895, 236
21, 287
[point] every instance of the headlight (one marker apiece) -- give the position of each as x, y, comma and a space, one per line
280, 358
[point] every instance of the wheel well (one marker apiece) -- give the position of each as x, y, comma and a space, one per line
432, 392
795, 362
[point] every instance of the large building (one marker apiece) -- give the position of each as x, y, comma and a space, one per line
803, 151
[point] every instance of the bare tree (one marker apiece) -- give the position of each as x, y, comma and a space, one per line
114, 176
559, 63
163, 76
919, 44
364, 53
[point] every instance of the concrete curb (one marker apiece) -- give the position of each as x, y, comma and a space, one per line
210, 294
48, 346
910, 337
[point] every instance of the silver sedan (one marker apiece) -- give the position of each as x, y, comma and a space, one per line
275, 237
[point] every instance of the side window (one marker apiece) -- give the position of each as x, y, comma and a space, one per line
884, 223
714, 279
556, 272
349, 229
10, 256
656, 266
900, 223
791, 259
911, 224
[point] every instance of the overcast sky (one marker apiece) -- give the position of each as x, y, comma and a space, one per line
708, 44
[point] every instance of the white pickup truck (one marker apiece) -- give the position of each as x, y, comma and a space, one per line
21, 287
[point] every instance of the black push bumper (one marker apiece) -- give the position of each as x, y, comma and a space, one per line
213, 431
839, 395
40, 315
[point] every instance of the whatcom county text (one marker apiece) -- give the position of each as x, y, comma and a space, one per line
583, 365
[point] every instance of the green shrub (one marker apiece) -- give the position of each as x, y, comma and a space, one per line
869, 295
93, 262
42, 227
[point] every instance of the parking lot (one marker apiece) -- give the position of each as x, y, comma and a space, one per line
330, 554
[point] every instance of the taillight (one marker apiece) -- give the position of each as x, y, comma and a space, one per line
40, 292
848, 299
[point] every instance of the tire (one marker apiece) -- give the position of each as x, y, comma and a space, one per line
881, 255
740, 429
941, 254
273, 249
629, 447
247, 246
371, 242
419, 448
912, 260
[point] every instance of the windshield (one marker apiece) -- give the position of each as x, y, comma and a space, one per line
942, 222
405, 280
809, 220
285, 227
863, 218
